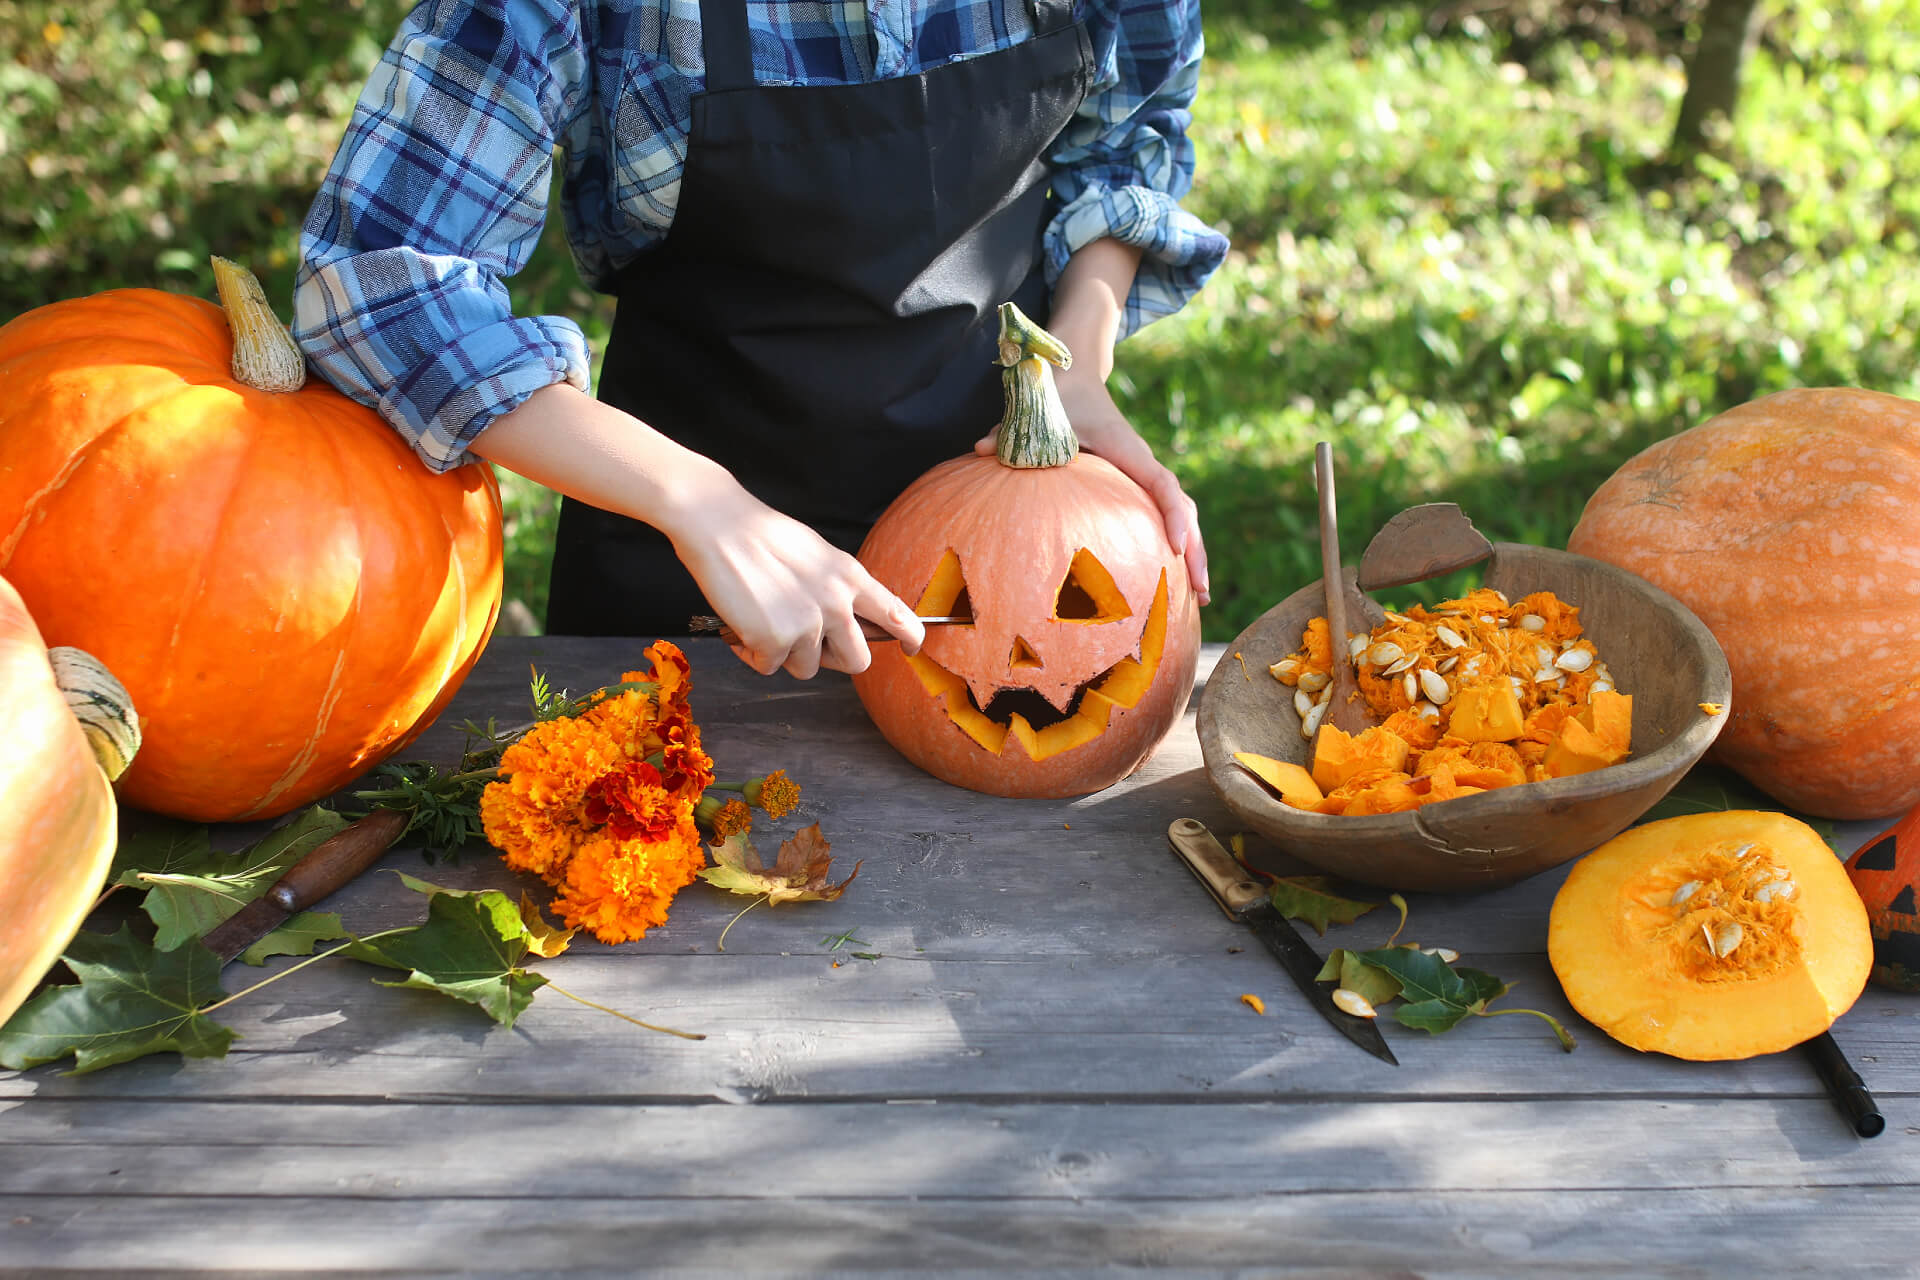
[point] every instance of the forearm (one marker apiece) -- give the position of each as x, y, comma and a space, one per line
581, 447
1089, 303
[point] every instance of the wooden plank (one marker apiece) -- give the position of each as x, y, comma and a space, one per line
797, 1027
1029, 1151
1463, 1234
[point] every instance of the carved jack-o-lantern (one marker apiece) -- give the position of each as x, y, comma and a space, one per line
1886, 873
1084, 632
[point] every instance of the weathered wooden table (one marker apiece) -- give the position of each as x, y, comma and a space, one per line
1048, 1069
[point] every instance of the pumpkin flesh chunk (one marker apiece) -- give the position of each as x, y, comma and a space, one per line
1711, 936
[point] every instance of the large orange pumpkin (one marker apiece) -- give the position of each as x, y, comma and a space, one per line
286, 593
1085, 633
1789, 526
58, 821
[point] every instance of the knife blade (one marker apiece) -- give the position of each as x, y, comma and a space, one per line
325, 868
1246, 902
705, 624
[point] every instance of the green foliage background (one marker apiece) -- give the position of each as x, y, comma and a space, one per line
1459, 254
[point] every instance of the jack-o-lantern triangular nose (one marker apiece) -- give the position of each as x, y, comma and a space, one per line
1022, 655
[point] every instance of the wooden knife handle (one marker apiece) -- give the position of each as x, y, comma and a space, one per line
338, 859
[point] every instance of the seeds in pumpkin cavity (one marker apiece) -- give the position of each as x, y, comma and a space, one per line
1397, 617
1721, 940
1532, 622
1302, 702
1434, 685
1574, 660
1410, 686
1314, 681
1447, 663
1310, 724
1449, 637
1427, 711
1357, 645
1684, 892
1743, 850
1349, 1001
1778, 889
1399, 666
1385, 653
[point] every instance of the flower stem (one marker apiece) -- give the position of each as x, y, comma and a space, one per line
295, 968
1560, 1033
684, 1035
721, 945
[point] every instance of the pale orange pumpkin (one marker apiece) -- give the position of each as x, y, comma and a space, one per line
1789, 526
58, 820
1085, 633
286, 592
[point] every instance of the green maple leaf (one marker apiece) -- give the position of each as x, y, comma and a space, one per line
1346, 969
297, 936
470, 948
1439, 995
132, 1000
1311, 898
190, 888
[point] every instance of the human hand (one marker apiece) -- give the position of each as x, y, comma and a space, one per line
794, 599
1101, 428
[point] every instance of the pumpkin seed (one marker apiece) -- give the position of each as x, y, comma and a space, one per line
1302, 702
1311, 724
1743, 850
1385, 653
1449, 637
1722, 940
1397, 617
1684, 892
1399, 666
1285, 668
1602, 685
1532, 622
1324, 696
1357, 645
1447, 954
1574, 660
1427, 711
1778, 889
1434, 685
1410, 686
1353, 1002
1314, 681
1447, 663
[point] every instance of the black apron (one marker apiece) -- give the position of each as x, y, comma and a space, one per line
821, 316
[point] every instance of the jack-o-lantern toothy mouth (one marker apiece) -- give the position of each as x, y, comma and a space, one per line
1043, 730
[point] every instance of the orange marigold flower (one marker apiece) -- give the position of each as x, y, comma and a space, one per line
734, 817
533, 813
618, 889
776, 793
631, 804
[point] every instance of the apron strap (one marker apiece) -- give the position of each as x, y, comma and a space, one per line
728, 49
725, 44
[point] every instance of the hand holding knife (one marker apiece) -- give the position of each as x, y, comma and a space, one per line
1246, 902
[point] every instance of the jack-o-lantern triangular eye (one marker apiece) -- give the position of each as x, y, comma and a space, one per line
1089, 593
1022, 655
946, 593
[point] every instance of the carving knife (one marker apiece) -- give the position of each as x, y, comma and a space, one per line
1246, 902
326, 867
705, 624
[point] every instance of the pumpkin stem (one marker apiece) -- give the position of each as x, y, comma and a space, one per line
101, 705
1035, 431
265, 356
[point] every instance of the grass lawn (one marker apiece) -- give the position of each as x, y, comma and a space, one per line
1457, 255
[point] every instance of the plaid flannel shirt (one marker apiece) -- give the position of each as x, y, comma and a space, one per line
439, 189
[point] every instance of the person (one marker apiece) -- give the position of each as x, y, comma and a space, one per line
809, 215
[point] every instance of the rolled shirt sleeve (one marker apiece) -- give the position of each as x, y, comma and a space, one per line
437, 193
1125, 161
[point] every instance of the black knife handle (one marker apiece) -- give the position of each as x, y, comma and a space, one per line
338, 859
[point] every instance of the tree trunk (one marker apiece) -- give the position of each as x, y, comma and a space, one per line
1728, 31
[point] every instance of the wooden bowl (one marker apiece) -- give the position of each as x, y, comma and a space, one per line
1655, 648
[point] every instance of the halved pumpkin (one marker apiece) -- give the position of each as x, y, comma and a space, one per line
1711, 936
59, 822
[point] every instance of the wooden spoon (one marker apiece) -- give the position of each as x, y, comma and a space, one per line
1346, 710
